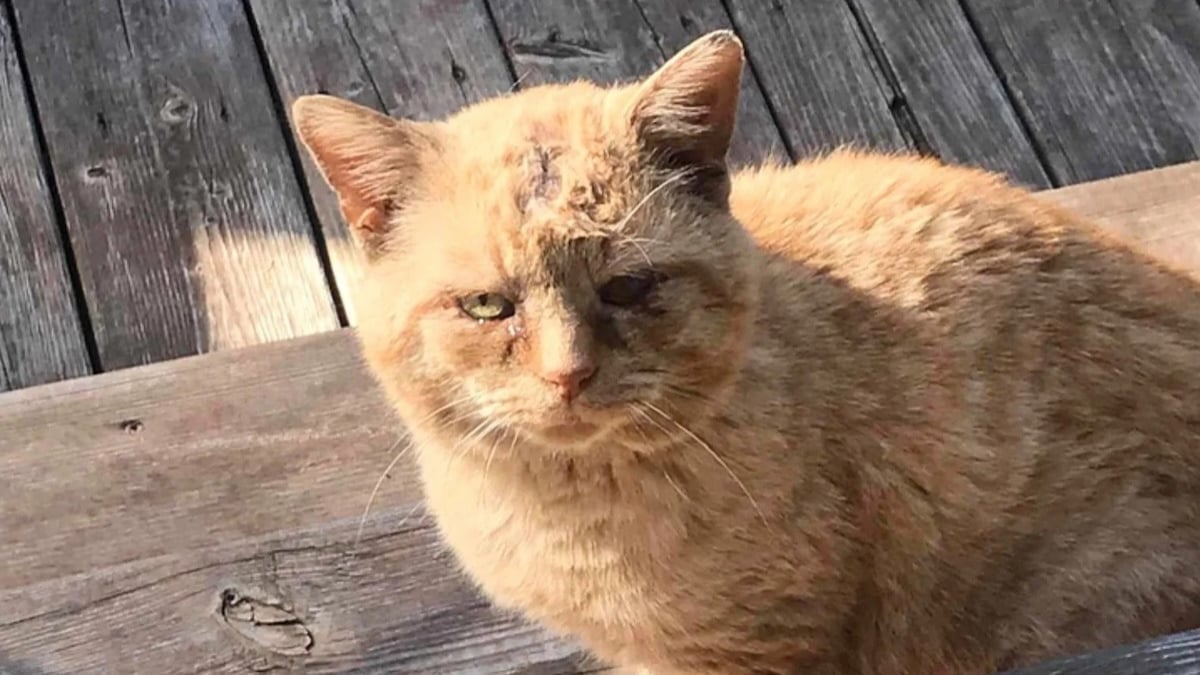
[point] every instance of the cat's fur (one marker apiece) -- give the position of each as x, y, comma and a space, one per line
890, 417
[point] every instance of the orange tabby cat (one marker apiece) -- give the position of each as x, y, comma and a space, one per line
867, 414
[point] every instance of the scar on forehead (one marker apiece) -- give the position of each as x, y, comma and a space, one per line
542, 179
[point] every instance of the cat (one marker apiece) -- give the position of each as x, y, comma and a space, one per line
870, 413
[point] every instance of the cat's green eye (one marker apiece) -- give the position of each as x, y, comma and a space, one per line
487, 306
628, 289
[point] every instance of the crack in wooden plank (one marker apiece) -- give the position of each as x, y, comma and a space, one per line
345, 12
1022, 116
554, 46
897, 103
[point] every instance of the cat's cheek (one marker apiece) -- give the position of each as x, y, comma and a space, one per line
461, 346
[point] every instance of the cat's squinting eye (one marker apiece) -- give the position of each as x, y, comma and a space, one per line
628, 289
487, 306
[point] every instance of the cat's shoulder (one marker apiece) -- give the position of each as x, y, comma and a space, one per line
853, 207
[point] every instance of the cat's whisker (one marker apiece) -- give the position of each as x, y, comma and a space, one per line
516, 83
637, 427
688, 393
463, 445
362, 521
464, 417
646, 416
671, 481
396, 460
716, 457
416, 507
487, 464
646, 439
670, 180
636, 245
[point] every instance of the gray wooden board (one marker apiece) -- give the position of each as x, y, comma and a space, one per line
421, 59
948, 83
132, 501
135, 499
1107, 87
1169, 655
180, 197
818, 73
41, 338
623, 40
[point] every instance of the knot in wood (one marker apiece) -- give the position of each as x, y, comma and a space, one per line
267, 622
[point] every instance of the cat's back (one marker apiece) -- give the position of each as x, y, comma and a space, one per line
919, 234
879, 221
1067, 357
1015, 288
1036, 321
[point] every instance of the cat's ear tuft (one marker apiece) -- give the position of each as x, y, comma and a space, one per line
371, 161
687, 108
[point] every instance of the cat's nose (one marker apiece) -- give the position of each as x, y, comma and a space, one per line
570, 381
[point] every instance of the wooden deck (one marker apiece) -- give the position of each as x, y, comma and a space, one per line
199, 514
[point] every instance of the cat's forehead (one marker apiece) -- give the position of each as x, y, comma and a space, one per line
549, 149
539, 183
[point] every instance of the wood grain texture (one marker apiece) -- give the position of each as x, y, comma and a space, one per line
1157, 209
41, 337
818, 74
201, 515
368, 51
1107, 87
1169, 655
134, 500
949, 85
623, 40
180, 197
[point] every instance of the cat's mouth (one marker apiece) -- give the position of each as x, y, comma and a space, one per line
570, 424
574, 431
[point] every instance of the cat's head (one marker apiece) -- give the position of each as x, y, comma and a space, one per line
559, 263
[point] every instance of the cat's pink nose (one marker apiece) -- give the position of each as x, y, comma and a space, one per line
570, 381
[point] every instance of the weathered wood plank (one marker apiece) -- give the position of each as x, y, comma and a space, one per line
391, 603
133, 500
956, 99
1158, 209
421, 59
1169, 655
180, 198
41, 337
818, 73
1108, 87
621, 41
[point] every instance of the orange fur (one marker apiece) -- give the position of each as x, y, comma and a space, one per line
879, 414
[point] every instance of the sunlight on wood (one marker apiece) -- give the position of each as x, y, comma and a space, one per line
285, 271
1157, 209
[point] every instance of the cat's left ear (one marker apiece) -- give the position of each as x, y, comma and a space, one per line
686, 110
371, 161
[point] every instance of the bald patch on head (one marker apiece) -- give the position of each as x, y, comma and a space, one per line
541, 177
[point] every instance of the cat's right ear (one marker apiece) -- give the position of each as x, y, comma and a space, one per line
370, 160
685, 111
